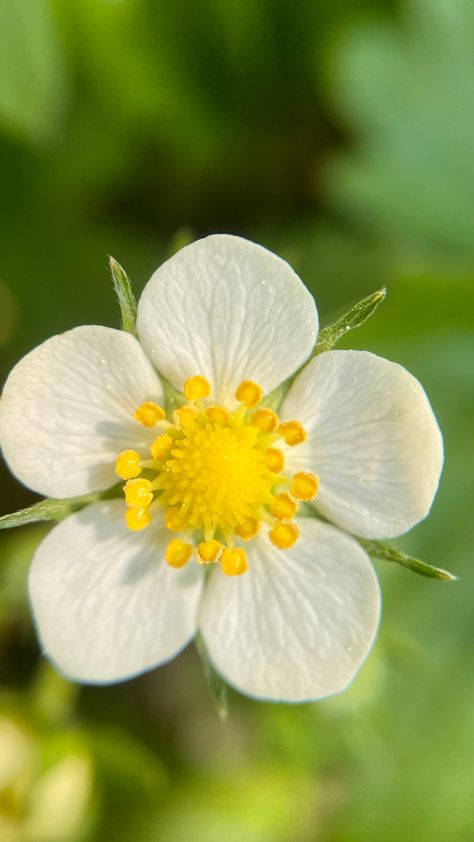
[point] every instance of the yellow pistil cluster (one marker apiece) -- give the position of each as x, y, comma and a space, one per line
214, 475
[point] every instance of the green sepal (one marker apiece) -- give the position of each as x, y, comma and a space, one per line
125, 296
52, 509
215, 684
385, 552
356, 317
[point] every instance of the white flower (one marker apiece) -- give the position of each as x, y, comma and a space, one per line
112, 598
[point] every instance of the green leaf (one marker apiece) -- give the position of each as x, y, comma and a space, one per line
125, 296
356, 317
215, 684
48, 510
384, 552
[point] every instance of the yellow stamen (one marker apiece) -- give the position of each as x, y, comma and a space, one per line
293, 432
304, 486
161, 446
185, 416
138, 493
284, 535
234, 562
219, 415
248, 529
149, 413
197, 387
138, 518
274, 459
209, 550
249, 393
265, 420
127, 465
284, 508
178, 553
175, 520
216, 475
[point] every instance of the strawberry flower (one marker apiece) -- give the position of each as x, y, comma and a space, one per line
207, 533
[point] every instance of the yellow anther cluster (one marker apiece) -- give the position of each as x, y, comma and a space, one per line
149, 414
138, 518
128, 465
185, 416
215, 476
178, 553
266, 420
234, 561
161, 446
248, 529
292, 432
274, 459
208, 551
283, 507
196, 388
249, 393
219, 414
304, 486
138, 492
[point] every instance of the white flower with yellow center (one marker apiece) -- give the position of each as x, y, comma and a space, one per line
207, 535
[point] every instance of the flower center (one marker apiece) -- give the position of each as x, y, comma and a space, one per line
215, 476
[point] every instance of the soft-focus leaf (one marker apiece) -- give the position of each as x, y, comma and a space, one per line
31, 69
409, 91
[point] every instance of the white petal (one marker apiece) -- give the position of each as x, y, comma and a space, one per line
106, 605
298, 625
67, 410
373, 440
229, 309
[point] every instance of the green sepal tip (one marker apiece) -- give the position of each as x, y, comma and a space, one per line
354, 318
125, 297
385, 552
215, 684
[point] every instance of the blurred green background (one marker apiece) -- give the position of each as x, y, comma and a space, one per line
340, 134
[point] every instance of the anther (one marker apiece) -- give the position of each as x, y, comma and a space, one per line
219, 415
138, 518
274, 459
265, 420
234, 562
208, 551
185, 416
284, 535
127, 465
283, 507
249, 393
149, 413
293, 432
175, 520
178, 553
197, 387
248, 529
161, 446
138, 493
304, 486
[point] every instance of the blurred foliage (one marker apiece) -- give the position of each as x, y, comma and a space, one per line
340, 135
409, 90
